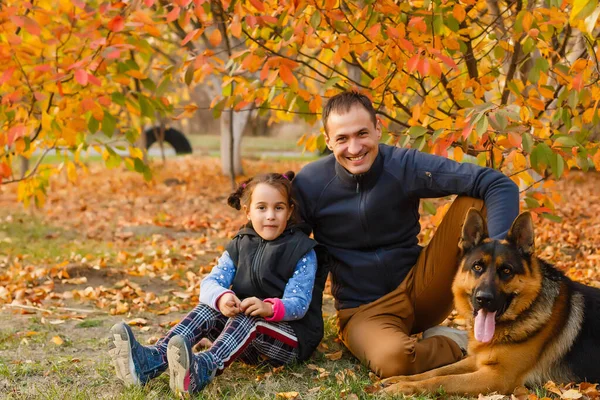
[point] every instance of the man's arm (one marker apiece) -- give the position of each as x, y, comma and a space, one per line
428, 176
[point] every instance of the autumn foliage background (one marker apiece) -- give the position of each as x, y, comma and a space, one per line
513, 85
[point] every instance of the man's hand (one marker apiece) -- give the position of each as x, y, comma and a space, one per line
256, 307
229, 305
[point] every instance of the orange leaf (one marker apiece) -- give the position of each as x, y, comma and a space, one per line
81, 77
236, 26
515, 139
285, 73
57, 340
215, 37
7, 75
116, 24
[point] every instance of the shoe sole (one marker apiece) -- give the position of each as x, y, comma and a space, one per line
119, 348
178, 358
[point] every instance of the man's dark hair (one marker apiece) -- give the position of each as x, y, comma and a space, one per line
341, 103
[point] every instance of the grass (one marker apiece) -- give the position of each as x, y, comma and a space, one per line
28, 237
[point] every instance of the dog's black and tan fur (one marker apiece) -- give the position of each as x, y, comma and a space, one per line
547, 327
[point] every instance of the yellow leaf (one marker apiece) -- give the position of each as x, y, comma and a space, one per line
57, 340
458, 154
135, 152
334, 356
71, 172
287, 395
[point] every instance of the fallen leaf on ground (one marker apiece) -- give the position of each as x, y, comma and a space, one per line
57, 340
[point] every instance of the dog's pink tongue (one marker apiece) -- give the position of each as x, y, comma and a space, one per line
485, 324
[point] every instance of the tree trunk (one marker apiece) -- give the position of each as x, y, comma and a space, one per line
239, 122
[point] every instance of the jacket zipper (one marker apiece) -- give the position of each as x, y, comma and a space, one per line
361, 213
256, 265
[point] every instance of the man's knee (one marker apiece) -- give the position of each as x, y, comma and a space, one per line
392, 361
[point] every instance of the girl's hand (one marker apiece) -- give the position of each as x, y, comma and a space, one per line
256, 307
229, 305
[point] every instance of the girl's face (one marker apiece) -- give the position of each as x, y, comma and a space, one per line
269, 211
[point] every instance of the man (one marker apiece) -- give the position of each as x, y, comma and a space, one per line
362, 203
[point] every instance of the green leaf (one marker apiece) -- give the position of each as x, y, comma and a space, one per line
557, 165
138, 165
531, 202
417, 131
552, 217
93, 124
109, 124
499, 53
146, 107
315, 19
566, 141
189, 74
330, 82
164, 84
501, 119
218, 108
527, 142
429, 207
118, 98
528, 45
482, 125
149, 84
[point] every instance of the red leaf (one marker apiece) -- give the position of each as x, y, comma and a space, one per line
7, 75
467, 131
406, 45
174, 14
14, 133
373, 31
411, 65
264, 72
116, 24
423, 66
42, 68
5, 171
32, 26
81, 77
258, 5
92, 79
578, 81
190, 36
60, 89
447, 60
148, 3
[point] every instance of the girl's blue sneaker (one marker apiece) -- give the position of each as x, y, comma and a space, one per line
134, 364
188, 373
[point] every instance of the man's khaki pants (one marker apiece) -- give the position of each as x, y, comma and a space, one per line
378, 333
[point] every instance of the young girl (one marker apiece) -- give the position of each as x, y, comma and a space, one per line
260, 302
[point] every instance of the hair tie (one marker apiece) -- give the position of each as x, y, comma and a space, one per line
285, 176
243, 185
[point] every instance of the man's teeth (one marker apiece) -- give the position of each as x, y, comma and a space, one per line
356, 158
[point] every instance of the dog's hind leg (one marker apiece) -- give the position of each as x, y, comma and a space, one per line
463, 366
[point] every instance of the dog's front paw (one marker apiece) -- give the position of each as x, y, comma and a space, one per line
401, 388
392, 380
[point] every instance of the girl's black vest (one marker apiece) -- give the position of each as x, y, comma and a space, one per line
264, 268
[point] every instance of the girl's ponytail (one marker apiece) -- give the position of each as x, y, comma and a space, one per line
234, 199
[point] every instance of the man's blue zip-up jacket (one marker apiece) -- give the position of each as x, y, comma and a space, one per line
369, 223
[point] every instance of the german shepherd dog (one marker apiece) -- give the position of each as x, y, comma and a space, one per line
528, 323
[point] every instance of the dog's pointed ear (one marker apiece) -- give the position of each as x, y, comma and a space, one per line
474, 230
521, 234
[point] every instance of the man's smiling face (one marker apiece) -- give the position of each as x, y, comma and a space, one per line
353, 139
